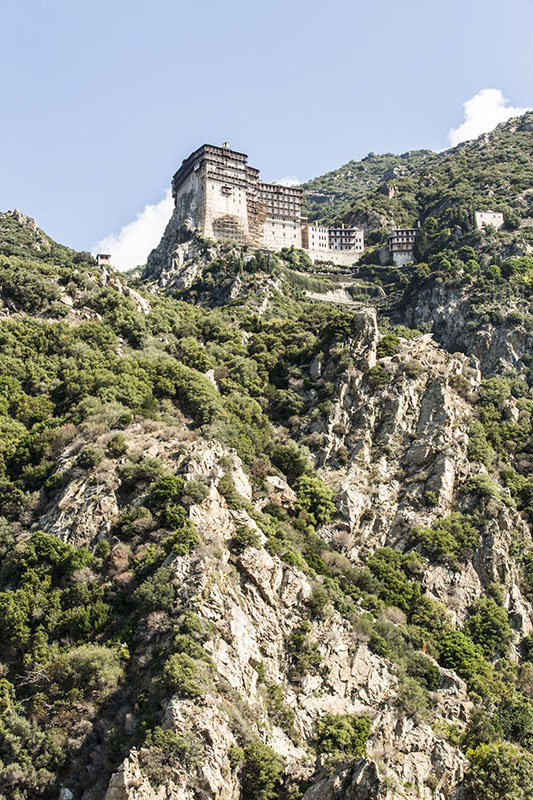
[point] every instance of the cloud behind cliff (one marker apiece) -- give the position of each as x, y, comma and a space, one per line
482, 113
132, 244
288, 180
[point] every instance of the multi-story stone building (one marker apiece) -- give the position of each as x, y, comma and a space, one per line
223, 198
401, 244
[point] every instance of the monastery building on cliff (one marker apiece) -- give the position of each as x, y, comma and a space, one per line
221, 195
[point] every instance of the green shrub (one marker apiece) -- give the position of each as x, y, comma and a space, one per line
315, 498
89, 457
183, 643
488, 626
452, 537
458, 652
93, 669
422, 668
236, 756
479, 448
261, 772
185, 676
388, 346
291, 459
342, 736
431, 499
194, 492
292, 558
185, 539
167, 491
7, 695
379, 645
197, 628
156, 593
393, 570
412, 698
515, 718
319, 600
280, 713
378, 375
499, 772
168, 742
226, 487
243, 538
116, 446
286, 403
481, 485
305, 654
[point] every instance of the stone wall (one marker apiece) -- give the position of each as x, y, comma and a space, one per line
403, 257
189, 201
278, 233
344, 258
226, 211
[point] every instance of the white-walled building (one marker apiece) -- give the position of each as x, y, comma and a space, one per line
222, 197
401, 244
494, 218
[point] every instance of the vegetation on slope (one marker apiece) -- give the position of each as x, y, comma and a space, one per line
80, 365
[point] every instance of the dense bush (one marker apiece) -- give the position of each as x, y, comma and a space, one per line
243, 537
304, 652
499, 772
342, 736
187, 677
157, 592
378, 375
488, 626
453, 537
261, 772
315, 498
458, 652
92, 668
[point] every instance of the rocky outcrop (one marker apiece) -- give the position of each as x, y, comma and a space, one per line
112, 280
383, 447
179, 257
253, 605
494, 347
38, 240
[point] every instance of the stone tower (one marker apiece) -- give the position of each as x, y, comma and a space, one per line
211, 190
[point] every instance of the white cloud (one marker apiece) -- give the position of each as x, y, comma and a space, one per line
481, 114
133, 243
288, 180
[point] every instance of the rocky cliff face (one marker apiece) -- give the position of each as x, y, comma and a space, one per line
382, 449
177, 260
498, 345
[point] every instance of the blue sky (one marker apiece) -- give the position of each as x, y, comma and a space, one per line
101, 101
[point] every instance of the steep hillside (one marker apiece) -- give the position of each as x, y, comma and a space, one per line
493, 172
265, 532
329, 197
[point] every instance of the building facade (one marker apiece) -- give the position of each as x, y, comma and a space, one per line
401, 244
484, 218
221, 195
